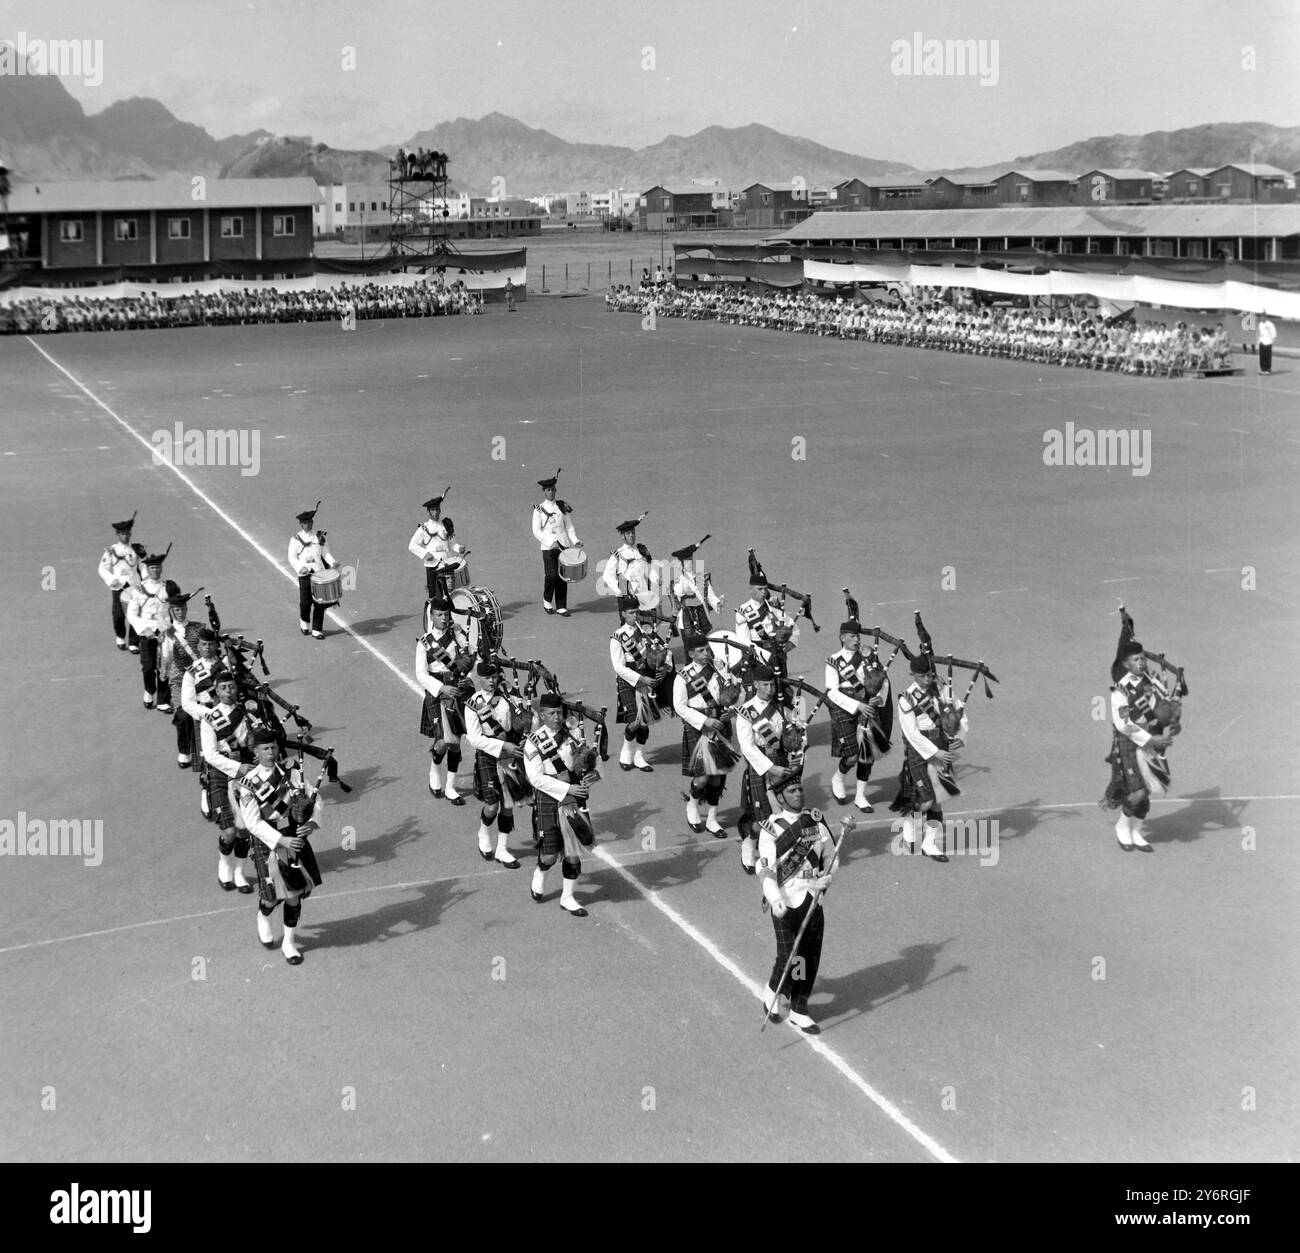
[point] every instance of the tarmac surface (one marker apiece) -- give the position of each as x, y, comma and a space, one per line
1064, 1002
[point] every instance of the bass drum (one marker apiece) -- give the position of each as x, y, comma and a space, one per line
476, 611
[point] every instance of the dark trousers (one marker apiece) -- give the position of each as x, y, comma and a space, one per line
149, 665
308, 609
437, 583
120, 629
809, 956
1265, 358
555, 591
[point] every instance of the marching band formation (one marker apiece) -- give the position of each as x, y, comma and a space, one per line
740, 700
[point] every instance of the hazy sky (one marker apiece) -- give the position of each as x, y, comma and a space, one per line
822, 69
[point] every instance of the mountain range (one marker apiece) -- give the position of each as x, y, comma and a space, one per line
45, 133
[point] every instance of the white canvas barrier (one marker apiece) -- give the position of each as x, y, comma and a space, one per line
475, 280
1241, 297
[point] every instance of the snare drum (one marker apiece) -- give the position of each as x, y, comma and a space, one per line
573, 565
457, 575
476, 611
327, 587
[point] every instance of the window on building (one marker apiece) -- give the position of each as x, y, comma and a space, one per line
1067, 245
178, 228
338, 206
1225, 189
374, 206
232, 228
352, 206
765, 198
1122, 248
1160, 248
1094, 246
1193, 248
71, 232
282, 224
125, 228
1022, 191
1193, 186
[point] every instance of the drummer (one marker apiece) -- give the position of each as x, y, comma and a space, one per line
430, 544
309, 554
553, 530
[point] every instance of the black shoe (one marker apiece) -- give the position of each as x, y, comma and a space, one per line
246, 890
227, 887
512, 864
539, 897
269, 944
697, 827
574, 913
488, 856
305, 630
564, 613
435, 791
719, 834
643, 769
841, 800
747, 869
121, 648
626, 766
549, 612
455, 800
935, 856
295, 960
133, 648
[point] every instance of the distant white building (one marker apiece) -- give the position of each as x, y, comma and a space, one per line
578, 204
327, 213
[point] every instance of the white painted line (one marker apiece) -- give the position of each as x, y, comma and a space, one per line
884, 1104
1132, 578
1223, 570
1238, 718
894, 602
239, 909
224, 516
1002, 591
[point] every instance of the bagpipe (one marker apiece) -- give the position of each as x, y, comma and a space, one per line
695, 618
655, 701
299, 872
1166, 716
261, 701
951, 710
783, 590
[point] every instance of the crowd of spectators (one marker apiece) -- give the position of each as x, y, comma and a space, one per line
1075, 337
88, 312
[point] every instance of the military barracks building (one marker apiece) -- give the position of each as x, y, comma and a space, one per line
165, 228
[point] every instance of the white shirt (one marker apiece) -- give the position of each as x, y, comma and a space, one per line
147, 612
1267, 332
429, 543
792, 892
307, 554
119, 567
552, 528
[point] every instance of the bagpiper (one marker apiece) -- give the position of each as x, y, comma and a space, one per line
226, 741
705, 696
562, 769
488, 727
1145, 714
641, 668
443, 660
862, 710
180, 650
772, 743
280, 813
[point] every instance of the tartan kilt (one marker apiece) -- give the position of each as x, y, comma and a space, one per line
440, 722
753, 795
219, 810
1125, 773
915, 790
487, 784
549, 832
690, 738
844, 733
626, 702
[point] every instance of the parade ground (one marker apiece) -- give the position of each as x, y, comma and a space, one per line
1043, 996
